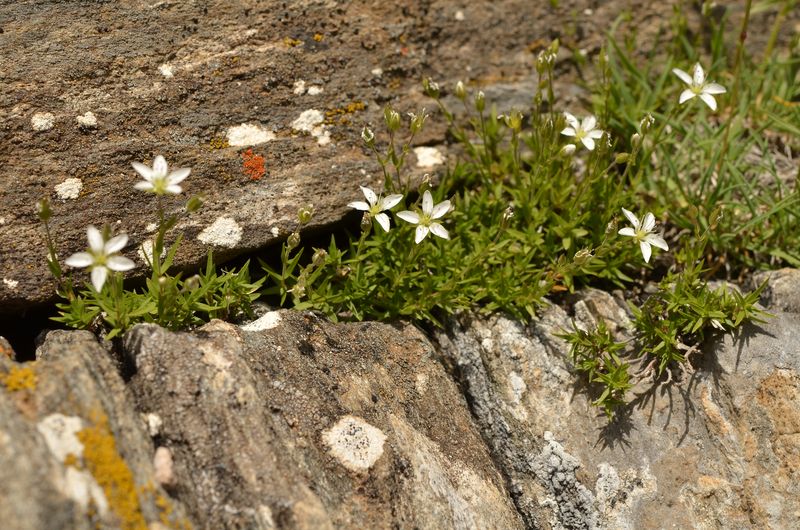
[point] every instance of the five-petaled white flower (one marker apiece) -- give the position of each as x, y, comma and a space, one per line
643, 233
375, 205
584, 131
101, 256
158, 179
426, 220
698, 86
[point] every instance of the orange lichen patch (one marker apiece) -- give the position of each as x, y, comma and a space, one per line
20, 378
340, 116
317, 37
253, 165
111, 472
290, 42
218, 143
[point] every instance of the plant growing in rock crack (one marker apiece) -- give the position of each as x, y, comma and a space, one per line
107, 307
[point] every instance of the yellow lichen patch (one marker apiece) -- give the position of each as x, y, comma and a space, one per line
20, 378
290, 42
111, 472
340, 116
72, 460
218, 143
317, 37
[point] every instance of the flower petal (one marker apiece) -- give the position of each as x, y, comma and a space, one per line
120, 263
178, 175
439, 230
569, 131
359, 205
632, 218
588, 123
627, 231
646, 250
686, 95
684, 76
99, 275
115, 244
95, 238
383, 220
709, 100
79, 259
714, 88
420, 234
143, 170
160, 168
698, 76
588, 142
572, 121
648, 222
657, 241
143, 185
390, 201
427, 203
440, 209
174, 189
369, 194
409, 217
595, 134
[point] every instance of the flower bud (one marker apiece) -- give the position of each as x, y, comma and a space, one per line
43, 210
567, 150
368, 136
342, 272
636, 139
392, 119
514, 121
305, 213
417, 121
582, 256
480, 101
366, 222
293, 241
191, 283
646, 123
431, 88
460, 91
621, 158
508, 213
319, 257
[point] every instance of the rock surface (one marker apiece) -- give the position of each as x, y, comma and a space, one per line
88, 91
717, 450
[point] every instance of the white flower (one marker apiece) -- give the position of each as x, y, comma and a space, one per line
158, 179
642, 232
698, 86
101, 256
584, 132
376, 206
426, 221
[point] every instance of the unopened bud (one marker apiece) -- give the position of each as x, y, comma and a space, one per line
508, 213
417, 121
431, 87
366, 222
646, 123
43, 210
305, 213
319, 257
515, 121
567, 150
342, 272
621, 158
611, 227
582, 256
392, 119
636, 139
460, 91
191, 283
368, 136
480, 101
293, 241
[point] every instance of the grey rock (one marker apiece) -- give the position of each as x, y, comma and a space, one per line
782, 292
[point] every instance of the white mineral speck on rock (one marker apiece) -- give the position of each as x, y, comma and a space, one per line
266, 321
166, 70
275, 231
377, 72
87, 120
154, 424
311, 121
315, 90
247, 134
299, 87
69, 189
162, 462
145, 251
224, 232
459, 15
428, 157
11, 284
42, 121
59, 434
82, 488
355, 443
151, 227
